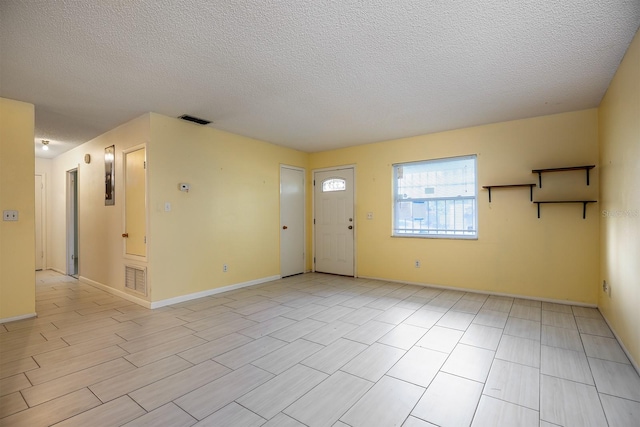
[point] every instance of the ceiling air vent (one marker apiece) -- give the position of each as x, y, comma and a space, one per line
194, 119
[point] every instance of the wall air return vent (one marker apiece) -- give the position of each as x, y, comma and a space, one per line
192, 119
135, 279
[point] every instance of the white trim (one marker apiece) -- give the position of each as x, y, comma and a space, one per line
57, 270
178, 299
633, 362
478, 291
16, 318
117, 292
209, 292
43, 218
71, 219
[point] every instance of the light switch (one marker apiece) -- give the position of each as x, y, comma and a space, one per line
9, 215
167, 206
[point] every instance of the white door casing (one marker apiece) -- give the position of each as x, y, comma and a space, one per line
72, 223
39, 189
334, 221
292, 218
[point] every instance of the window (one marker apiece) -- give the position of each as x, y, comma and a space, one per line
334, 184
436, 198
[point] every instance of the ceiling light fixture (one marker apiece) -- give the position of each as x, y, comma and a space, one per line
45, 145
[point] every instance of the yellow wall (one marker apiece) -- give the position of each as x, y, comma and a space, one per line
101, 245
17, 239
230, 215
554, 257
619, 116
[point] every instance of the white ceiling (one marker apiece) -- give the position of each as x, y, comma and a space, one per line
308, 74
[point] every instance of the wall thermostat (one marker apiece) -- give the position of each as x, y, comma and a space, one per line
184, 187
87, 158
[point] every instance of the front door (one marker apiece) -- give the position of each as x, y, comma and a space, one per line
135, 216
334, 221
292, 258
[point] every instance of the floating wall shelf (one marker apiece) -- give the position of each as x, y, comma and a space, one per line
586, 168
584, 204
489, 187
572, 168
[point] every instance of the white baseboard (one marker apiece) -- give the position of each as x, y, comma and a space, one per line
478, 291
58, 270
16, 318
209, 292
633, 362
174, 300
116, 292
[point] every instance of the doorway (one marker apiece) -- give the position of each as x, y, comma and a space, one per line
72, 223
39, 219
292, 214
334, 224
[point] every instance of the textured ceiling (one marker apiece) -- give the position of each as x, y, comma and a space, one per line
308, 74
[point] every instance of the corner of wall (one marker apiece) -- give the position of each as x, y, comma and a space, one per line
17, 180
619, 147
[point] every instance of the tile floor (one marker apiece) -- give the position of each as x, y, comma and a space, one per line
312, 350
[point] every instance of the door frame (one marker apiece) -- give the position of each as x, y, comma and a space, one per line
72, 220
146, 203
355, 216
304, 214
43, 218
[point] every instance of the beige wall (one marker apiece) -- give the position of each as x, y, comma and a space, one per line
554, 257
100, 227
619, 116
230, 216
17, 239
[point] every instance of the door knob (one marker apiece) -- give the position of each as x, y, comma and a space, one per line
284, 227
125, 234
351, 227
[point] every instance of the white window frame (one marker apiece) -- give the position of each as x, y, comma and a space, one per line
397, 230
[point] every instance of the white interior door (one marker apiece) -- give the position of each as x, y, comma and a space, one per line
292, 257
39, 228
334, 221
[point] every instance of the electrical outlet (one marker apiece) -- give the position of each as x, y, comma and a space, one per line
417, 263
224, 268
9, 215
369, 215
